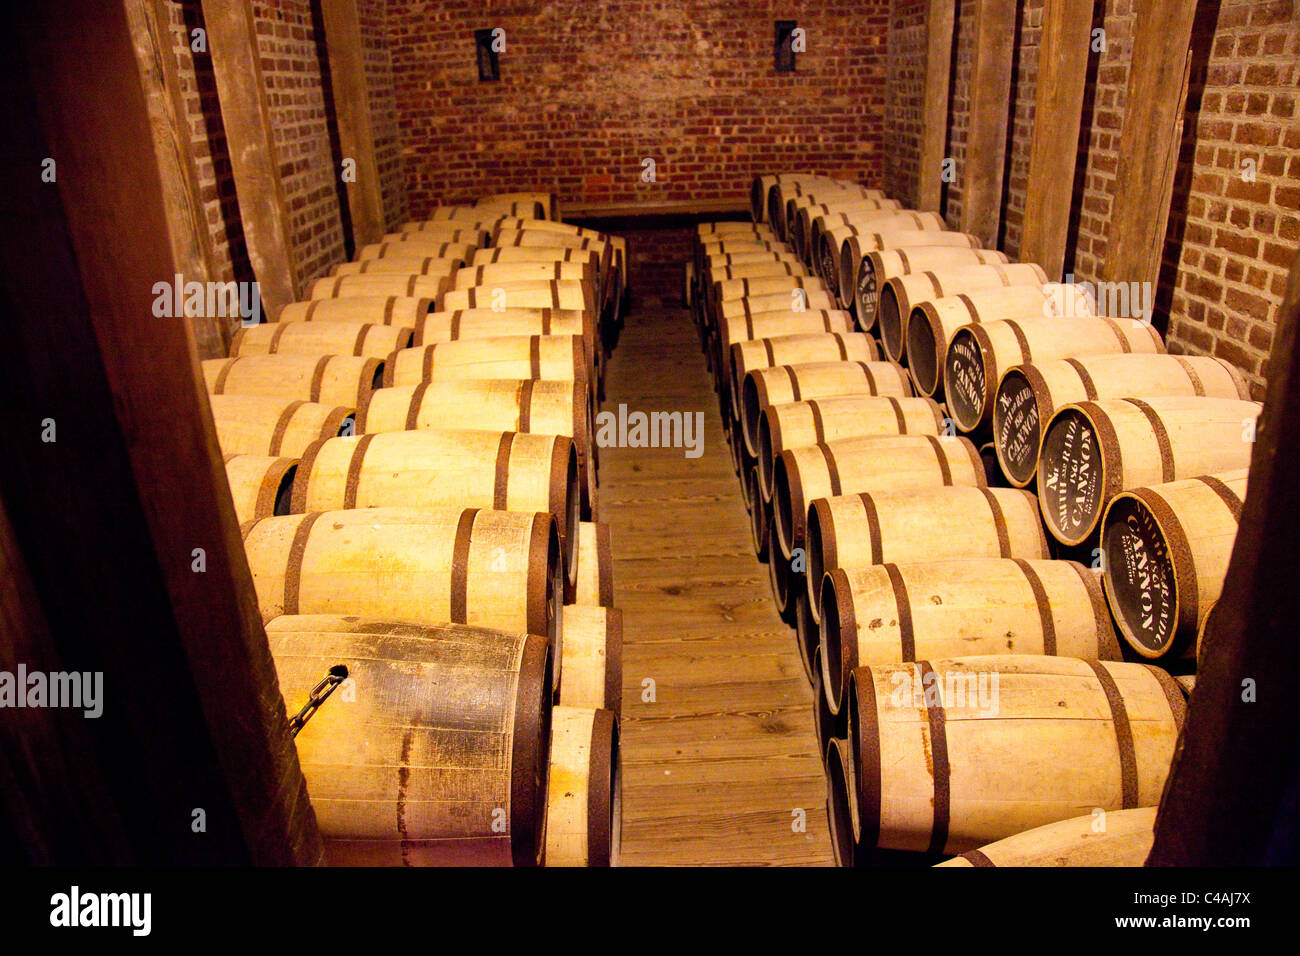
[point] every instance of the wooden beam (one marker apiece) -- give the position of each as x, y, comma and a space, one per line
1232, 790
1149, 141
986, 138
352, 111
1058, 107
250, 139
174, 144
940, 21
111, 478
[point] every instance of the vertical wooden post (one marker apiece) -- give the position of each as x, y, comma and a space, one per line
144, 581
352, 111
1232, 790
232, 41
1058, 108
1149, 140
986, 140
174, 144
940, 19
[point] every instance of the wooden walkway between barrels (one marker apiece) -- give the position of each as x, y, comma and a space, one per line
717, 766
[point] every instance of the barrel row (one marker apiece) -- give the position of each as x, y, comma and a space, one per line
897, 550
428, 543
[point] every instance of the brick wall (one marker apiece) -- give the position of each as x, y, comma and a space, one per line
291, 69
383, 109
1240, 234
588, 90
1106, 99
905, 96
216, 181
1230, 239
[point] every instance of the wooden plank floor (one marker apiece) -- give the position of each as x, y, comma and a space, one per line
716, 766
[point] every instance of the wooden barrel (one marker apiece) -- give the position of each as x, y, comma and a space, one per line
530, 208
764, 285
260, 485
794, 300
932, 324
1092, 451
521, 405
426, 468
461, 247
266, 425
763, 325
427, 286
854, 248
320, 338
820, 420
523, 294
370, 310
796, 383
486, 275
841, 801
753, 270
852, 216
520, 254
811, 220
444, 231
543, 204
449, 326
329, 379
853, 465
591, 674
584, 806
535, 238
787, 583
498, 569
978, 355
799, 349
805, 636
438, 232
954, 754
554, 357
408, 265
760, 514
826, 726
715, 262
878, 220
490, 323
880, 266
1029, 395
400, 771
516, 405
1117, 838
896, 613
924, 524
900, 294
1165, 552
594, 583
722, 227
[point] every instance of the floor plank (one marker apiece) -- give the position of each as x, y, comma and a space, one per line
721, 765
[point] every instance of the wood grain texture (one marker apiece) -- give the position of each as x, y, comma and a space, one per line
1154, 105
347, 76
1058, 111
177, 165
263, 210
940, 20
986, 142
126, 393
713, 768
